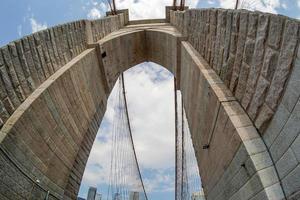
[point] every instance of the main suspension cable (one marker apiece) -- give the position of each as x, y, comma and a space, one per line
127, 116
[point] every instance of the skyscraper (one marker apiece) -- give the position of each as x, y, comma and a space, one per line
98, 196
198, 195
133, 196
92, 193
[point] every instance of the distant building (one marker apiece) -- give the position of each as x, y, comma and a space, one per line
198, 195
98, 196
92, 193
117, 196
134, 196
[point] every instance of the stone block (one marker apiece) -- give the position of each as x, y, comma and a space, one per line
275, 30
3, 112
268, 176
292, 91
273, 192
240, 49
258, 98
269, 64
258, 162
255, 146
276, 125
257, 60
241, 86
233, 108
240, 120
8, 62
248, 190
286, 163
285, 59
296, 148
248, 51
247, 133
287, 135
291, 183
252, 25
263, 118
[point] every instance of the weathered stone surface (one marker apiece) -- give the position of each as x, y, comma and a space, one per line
289, 43
9, 87
296, 148
292, 91
257, 60
264, 116
288, 134
252, 25
275, 31
286, 163
271, 192
243, 77
240, 49
258, 98
270, 63
248, 51
291, 183
11, 71
276, 125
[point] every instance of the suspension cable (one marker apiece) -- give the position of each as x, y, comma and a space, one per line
174, 4
236, 4
182, 5
127, 116
114, 7
176, 142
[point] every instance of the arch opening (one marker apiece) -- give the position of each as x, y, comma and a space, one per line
150, 95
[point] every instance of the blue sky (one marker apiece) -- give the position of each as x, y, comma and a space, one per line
149, 86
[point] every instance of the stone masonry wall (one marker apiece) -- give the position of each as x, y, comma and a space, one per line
237, 164
49, 137
26, 63
252, 52
102, 27
46, 147
256, 55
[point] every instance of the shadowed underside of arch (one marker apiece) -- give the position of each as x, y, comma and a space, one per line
55, 85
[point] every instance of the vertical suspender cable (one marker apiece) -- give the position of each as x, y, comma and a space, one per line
176, 139
174, 4
111, 9
182, 150
114, 7
182, 5
129, 127
236, 4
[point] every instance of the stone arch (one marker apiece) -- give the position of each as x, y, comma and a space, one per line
57, 83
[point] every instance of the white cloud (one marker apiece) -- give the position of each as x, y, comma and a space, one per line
261, 5
149, 90
284, 6
151, 106
298, 3
19, 29
147, 9
210, 2
96, 9
163, 180
94, 14
36, 26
